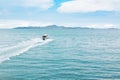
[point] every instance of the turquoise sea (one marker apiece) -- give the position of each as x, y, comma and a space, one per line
68, 54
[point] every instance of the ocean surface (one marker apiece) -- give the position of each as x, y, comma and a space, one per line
68, 54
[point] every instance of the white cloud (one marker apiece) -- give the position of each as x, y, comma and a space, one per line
23, 23
91, 25
41, 4
75, 6
19, 23
107, 25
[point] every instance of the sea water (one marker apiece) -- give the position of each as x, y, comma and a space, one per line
68, 54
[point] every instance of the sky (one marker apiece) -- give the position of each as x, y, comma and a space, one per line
69, 13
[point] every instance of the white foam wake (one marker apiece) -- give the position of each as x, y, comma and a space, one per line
22, 47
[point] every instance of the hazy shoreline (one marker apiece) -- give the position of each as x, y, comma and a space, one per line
56, 27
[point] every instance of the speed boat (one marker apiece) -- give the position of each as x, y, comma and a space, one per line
44, 37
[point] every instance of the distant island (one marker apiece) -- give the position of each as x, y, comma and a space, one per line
50, 27
55, 27
39, 27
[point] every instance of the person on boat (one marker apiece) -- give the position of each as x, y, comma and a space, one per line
44, 37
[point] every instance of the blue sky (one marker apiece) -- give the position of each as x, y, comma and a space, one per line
69, 13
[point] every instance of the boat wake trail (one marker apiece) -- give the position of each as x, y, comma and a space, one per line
7, 53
